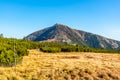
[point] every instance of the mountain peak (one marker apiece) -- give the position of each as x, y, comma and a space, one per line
59, 25
63, 33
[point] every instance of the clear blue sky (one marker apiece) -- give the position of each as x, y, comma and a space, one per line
19, 18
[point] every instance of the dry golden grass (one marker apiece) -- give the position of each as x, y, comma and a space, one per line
64, 66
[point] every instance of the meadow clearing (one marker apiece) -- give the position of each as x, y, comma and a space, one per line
64, 66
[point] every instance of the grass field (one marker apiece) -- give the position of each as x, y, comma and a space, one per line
64, 66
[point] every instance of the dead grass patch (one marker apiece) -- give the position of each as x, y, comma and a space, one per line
64, 66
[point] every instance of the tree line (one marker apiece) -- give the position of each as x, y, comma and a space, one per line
12, 50
58, 47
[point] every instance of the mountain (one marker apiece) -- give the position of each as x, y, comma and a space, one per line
63, 33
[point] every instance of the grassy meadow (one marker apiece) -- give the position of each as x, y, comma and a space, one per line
64, 66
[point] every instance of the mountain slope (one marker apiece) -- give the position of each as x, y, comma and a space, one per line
62, 33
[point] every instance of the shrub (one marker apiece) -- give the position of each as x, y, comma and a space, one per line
50, 49
8, 56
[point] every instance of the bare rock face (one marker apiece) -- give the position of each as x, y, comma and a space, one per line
64, 34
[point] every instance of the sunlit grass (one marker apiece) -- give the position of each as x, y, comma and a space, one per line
64, 66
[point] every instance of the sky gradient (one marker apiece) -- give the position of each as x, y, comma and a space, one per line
18, 18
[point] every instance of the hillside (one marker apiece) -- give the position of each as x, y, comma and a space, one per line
65, 34
64, 66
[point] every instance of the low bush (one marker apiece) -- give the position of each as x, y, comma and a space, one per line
50, 49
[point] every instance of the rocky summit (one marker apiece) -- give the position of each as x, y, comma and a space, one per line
64, 34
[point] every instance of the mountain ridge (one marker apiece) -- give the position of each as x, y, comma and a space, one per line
63, 33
